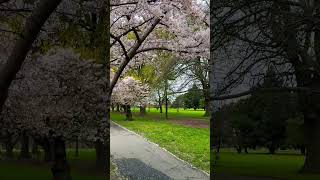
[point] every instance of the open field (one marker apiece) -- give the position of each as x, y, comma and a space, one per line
188, 143
283, 165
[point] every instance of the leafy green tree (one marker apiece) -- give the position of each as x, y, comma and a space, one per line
270, 111
261, 119
192, 98
178, 102
294, 133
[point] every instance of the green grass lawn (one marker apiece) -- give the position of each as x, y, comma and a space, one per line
81, 168
188, 143
283, 165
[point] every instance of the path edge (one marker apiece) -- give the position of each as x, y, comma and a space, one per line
189, 164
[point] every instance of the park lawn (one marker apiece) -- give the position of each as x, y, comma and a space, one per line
81, 168
189, 144
173, 113
284, 165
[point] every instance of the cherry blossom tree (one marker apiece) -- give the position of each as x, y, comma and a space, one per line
59, 96
129, 92
42, 32
140, 28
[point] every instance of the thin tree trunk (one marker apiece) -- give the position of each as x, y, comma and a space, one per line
302, 149
159, 101
142, 110
35, 149
246, 150
48, 148
128, 113
239, 149
272, 149
9, 147
25, 152
207, 106
60, 169
9, 151
21, 48
77, 147
166, 98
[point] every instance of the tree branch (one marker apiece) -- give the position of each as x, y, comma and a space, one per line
21, 48
132, 53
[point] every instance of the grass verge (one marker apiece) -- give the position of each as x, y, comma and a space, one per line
189, 144
283, 165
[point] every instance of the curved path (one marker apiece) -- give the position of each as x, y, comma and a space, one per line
138, 159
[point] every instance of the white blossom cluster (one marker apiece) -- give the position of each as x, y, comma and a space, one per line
183, 29
130, 91
59, 93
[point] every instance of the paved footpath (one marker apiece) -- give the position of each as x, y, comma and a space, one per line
138, 159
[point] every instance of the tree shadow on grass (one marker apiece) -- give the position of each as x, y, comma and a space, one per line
134, 169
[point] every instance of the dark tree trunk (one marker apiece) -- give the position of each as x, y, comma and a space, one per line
48, 148
128, 113
312, 138
207, 106
77, 147
60, 169
307, 76
9, 151
142, 110
159, 102
35, 149
9, 148
118, 108
21, 48
272, 149
123, 108
47, 154
166, 98
246, 150
103, 147
25, 152
302, 149
112, 108
309, 103
102, 153
213, 125
166, 104
239, 149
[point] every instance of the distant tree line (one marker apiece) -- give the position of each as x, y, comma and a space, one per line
192, 99
263, 120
